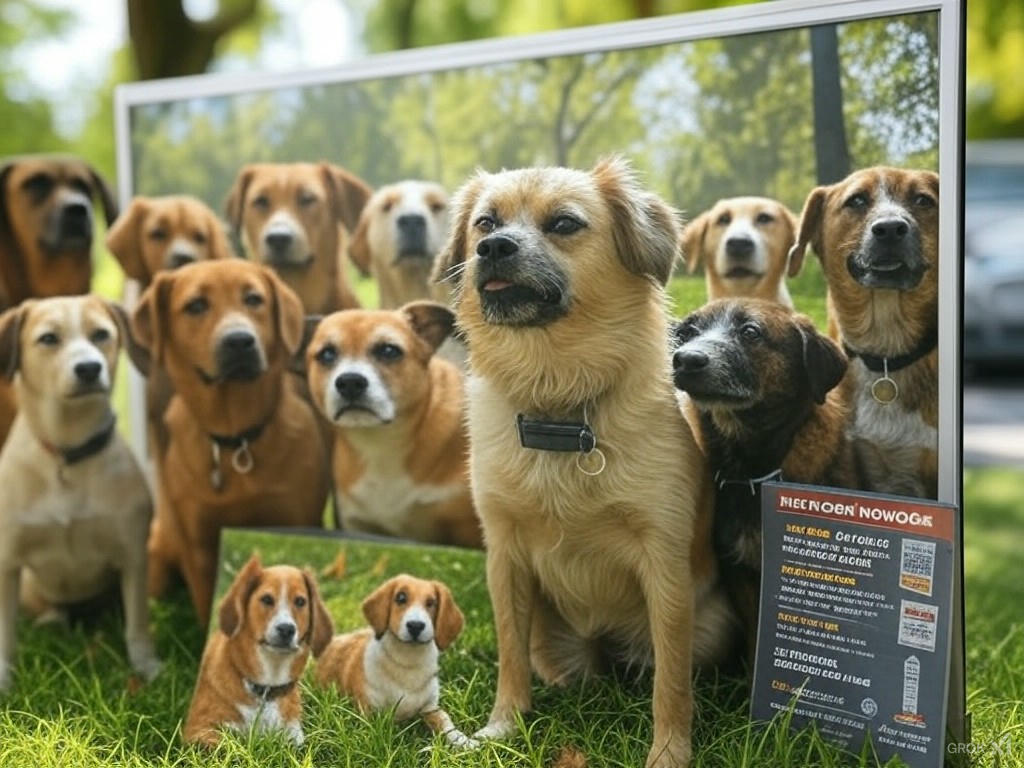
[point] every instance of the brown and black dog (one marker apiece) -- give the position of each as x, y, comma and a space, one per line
157, 234
876, 234
46, 232
244, 447
289, 216
764, 384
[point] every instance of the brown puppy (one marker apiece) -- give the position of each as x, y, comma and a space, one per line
593, 552
392, 664
400, 232
744, 243
244, 447
401, 452
288, 216
269, 622
764, 383
153, 235
876, 233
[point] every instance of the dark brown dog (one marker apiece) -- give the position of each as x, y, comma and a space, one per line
764, 385
876, 233
244, 447
289, 216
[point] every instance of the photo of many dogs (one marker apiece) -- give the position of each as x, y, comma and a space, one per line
520, 383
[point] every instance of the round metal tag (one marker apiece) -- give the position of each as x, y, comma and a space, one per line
885, 390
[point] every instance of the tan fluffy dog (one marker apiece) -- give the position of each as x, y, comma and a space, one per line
599, 555
400, 232
244, 447
157, 234
876, 233
744, 243
401, 453
269, 622
393, 662
74, 509
289, 216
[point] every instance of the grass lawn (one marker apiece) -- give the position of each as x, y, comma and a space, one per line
74, 703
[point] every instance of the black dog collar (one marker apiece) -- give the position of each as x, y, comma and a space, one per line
241, 439
753, 482
90, 447
880, 364
241, 458
564, 436
268, 692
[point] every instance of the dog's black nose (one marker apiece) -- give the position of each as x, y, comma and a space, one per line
76, 211
889, 230
689, 360
415, 628
351, 385
88, 373
285, 632
412, 223
279, 240
238, 341
496, 247
739, 247
180, 259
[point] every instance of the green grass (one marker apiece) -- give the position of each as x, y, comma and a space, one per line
75, 704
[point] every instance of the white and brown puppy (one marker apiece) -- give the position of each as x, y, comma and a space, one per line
400, 232
876, 234
393, 663
269, 622
74, 509
401, 451
744, 243
594, 497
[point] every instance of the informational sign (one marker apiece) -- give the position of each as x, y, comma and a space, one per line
856, 606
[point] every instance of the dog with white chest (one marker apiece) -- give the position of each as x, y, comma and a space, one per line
75, 508
393, 663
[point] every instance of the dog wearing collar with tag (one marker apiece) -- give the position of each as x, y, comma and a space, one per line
74, 506
876, 235
269, 623
761, 386
244, 447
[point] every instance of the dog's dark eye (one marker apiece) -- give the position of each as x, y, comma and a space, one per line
99, 336
48, 339
486, 224
764, 218
327, 355
387, 351
565, 225
253, 300
430, 602
199, 238
39, 186
724, 219
158, 234
300, 602
685, 331
856, 202
750, 332
924, 201
437, 207
306, 199
401, 598
267, 600
388, 205
197, 306
261, 201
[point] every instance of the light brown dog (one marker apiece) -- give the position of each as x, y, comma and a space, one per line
744, 243
400, 231
401, 451
244, 447
392, 664
157, 234
74, 506
876, 234
289, 216
269, 622
597, 515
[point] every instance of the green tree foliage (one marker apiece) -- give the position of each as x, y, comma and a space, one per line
995, 65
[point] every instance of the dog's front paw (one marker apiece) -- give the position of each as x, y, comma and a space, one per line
675, 753
144, 660
459, 740
296, 734
496, 729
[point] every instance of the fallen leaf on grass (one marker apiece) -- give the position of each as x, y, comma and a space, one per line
380, 566
337, 567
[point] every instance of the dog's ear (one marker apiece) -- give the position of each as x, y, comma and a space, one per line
289, 313
309, 326
824, 362
359, 243
234, 203
809, 230
14, 285
645, 229
11, 322
377, 607
349, 191
789, 221
450, 262
432, 322
105, 195
124, 240
137, 353
220, 244
321, 628
449, 621
692, 241
149, 318
231, 614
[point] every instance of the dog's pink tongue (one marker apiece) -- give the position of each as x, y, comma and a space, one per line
497, 285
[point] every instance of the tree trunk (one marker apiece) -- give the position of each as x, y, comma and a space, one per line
830, 148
